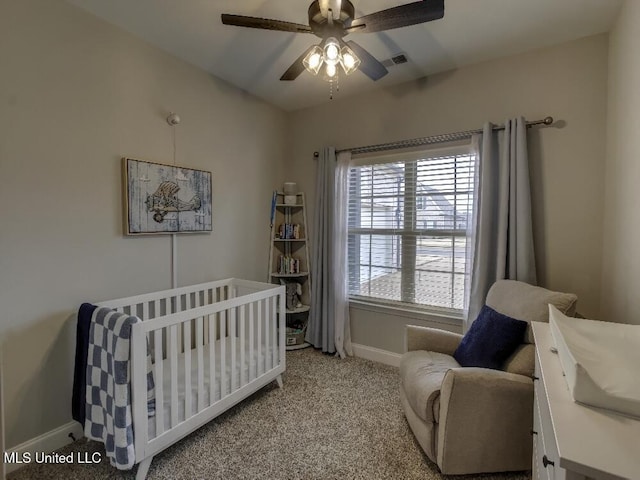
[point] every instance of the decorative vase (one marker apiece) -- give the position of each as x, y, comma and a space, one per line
290, 188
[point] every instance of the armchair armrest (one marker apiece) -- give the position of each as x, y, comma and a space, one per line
430, 339
488, 415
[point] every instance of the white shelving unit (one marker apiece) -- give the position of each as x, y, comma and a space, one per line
289, 261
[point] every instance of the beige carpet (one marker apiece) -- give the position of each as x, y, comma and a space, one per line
334, 419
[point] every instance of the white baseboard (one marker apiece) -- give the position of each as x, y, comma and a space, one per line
376, 354
47, 443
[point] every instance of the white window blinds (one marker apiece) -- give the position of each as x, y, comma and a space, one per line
408, 219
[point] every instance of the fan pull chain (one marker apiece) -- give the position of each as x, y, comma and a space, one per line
337, 80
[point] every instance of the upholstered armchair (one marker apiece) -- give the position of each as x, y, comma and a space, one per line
470, 419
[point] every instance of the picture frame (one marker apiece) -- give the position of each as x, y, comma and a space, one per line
165, 199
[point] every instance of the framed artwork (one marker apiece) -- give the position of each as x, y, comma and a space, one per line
163, 198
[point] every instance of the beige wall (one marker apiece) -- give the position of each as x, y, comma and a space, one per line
568, 82
621, 262
76, 94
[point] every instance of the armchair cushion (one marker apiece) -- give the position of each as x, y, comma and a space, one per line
522, 361
421, 375
431, 339
492, 338
526, 302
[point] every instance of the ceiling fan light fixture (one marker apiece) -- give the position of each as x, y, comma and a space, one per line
331, 70
349, 60
331, 21
313, 60
331, 51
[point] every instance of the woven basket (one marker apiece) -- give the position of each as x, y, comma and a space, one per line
295, 336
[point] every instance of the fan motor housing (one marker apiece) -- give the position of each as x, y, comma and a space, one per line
323, 28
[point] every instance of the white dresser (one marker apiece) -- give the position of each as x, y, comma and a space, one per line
573, 441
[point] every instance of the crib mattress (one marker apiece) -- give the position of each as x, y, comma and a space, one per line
261, 363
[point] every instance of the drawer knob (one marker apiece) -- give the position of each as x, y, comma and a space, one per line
546, 461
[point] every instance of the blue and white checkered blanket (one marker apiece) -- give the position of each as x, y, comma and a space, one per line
109, 416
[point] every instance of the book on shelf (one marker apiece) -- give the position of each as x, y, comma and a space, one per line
288, 265
289, 231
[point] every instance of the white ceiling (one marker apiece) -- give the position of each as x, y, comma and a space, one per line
253, 60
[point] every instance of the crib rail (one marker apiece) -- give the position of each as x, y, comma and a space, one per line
210, 345
156, 304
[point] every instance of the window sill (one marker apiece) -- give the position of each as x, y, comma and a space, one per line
401, 311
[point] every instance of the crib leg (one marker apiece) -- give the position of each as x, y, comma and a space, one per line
279, 380
143, 468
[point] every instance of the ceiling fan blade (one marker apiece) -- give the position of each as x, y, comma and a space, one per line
371, 67
396, 17
296, 67
264, 23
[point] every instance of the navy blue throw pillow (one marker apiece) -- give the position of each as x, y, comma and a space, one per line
492, 338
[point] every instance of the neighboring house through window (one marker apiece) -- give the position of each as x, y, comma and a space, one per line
409, 216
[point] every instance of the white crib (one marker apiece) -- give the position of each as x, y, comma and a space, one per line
212, 345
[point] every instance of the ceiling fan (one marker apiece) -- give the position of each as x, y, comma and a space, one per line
332, 20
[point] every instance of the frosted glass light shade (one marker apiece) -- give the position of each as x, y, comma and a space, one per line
331, 51
349, 60
313, 60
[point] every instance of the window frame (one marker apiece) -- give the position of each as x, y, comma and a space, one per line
410, 208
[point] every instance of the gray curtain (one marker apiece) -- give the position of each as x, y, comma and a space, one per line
503, 247
329, 327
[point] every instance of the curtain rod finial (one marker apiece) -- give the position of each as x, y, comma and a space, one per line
548, 120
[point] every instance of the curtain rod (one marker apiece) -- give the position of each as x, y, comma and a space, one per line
447, 137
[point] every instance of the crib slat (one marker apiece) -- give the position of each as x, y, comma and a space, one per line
232, 339
243, 377
199, 347
259, 339
159, 375
274, 333
187, 369
251, 342
175, 308
145, 311
267, 334
156, 309
212, 359
205, 324
282, 322
139, 384
223, 353
173, 362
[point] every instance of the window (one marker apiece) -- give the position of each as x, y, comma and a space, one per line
408, 218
